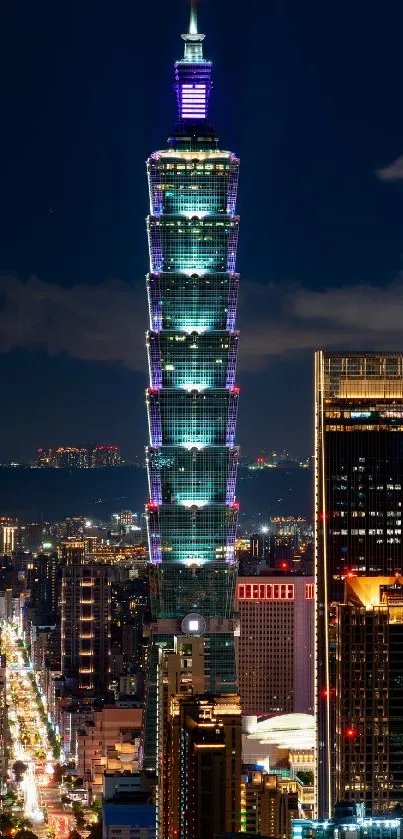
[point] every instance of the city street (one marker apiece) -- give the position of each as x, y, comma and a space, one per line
30, 744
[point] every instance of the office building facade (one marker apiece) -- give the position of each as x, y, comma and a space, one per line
369, 694
275, 649
192, 397
358, 481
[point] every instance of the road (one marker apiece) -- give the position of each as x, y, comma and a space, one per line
30, 743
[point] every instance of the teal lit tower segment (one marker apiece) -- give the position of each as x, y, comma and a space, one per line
192, 398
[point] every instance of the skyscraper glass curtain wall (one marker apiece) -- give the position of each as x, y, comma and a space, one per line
358, 500
193, 397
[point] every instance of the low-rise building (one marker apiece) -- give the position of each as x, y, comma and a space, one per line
128, 809
349, 820
109, 740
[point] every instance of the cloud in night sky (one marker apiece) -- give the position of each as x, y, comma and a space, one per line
95, 323
392, 172
107, 322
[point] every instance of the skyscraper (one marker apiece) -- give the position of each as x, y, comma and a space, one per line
199, 747
86, 627
73, 552
358, 499
192, 398
276, 644
369, 694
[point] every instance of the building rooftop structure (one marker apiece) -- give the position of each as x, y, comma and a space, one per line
348, 819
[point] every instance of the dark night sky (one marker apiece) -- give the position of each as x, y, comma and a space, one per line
308, 93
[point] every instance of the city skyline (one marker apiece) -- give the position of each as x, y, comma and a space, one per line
331, 223
193, 666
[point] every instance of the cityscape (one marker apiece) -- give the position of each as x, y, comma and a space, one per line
197, 643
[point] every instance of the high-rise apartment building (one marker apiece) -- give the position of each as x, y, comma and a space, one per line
44, 583
180, 671
198, 737
204, 765
192, 398
275, 649
358, 499
8, 534
73, 552
86, 627
3, 725
369, 694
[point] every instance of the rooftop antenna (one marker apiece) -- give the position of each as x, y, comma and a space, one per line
193, 18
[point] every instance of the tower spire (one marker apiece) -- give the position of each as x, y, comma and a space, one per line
193, 39
193, 74
193, 18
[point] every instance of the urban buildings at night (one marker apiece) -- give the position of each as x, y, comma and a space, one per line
269, 802
204, 764
358, 508
285, 543
275, 648
192, 397
198, 746
369, 693
8, 531
85, 627
3, 724
81, 457
349, 820
180, 681
128, 810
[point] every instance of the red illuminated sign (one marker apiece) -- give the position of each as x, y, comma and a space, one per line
266, 591
309, 591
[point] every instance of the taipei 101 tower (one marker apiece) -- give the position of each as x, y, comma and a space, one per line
192, 397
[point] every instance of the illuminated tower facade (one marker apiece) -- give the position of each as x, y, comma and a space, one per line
192, 398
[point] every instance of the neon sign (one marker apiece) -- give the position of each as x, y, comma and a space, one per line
266, 591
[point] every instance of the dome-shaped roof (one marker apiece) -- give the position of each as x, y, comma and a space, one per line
286, 731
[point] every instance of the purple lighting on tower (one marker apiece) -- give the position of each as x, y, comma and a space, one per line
193, 101
193, 77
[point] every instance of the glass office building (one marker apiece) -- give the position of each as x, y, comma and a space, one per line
192, 397
369, 694
358, 500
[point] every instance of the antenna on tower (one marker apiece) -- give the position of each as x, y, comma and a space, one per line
193, 18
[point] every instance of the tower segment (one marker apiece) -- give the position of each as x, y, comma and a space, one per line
192, 397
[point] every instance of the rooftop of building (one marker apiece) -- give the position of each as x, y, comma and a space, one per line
348, 815
374, 592
287, 731
128, 814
